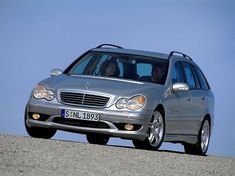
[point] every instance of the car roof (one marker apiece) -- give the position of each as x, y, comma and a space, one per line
134, 52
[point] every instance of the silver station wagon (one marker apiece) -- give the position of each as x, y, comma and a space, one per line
143, 96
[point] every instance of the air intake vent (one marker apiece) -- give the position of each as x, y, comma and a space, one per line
83, 99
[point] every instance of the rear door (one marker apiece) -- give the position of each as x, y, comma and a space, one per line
199, 98
197, 103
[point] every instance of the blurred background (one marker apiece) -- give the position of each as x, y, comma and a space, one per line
36, 36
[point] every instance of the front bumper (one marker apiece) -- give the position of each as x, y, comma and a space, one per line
109, 117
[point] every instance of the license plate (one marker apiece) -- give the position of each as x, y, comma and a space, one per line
80, 115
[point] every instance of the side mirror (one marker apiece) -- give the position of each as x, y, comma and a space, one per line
180, 87
56, 72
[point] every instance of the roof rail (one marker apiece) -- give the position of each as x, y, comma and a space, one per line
177, 52
100, 46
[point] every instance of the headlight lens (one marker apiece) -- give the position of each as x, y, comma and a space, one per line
41, 92
122, 103
133, 103
136, 102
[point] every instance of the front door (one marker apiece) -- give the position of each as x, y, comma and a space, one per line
178, 105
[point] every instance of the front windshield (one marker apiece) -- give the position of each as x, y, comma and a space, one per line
121, 66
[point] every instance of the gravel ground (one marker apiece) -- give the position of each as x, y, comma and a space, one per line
30, 156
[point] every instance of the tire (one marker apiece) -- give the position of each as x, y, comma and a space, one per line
201, 147
97, 139
155, 135
38, 132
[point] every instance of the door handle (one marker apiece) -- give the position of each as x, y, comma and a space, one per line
203, 98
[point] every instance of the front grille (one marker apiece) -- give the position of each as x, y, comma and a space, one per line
80, 123
83, 99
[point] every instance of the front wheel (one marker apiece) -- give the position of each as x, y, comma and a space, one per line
38, 132
97, 139
201, 147
156, 133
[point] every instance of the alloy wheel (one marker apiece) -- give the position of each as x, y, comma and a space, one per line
156, 129
205, 136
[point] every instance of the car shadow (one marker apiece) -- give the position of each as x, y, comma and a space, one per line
129, 147
111, 145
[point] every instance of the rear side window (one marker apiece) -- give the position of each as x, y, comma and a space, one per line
202, 79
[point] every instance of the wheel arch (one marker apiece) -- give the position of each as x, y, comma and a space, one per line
161, 108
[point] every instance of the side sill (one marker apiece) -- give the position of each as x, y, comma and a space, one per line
180, 138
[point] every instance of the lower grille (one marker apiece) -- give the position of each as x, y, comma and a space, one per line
80, 123
83, 99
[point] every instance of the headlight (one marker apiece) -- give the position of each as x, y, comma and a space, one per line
41, 92
122, 103
133, 103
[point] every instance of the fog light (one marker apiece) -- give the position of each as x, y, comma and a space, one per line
129, 127
35, 116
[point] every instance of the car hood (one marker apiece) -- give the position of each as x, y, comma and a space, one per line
111, 86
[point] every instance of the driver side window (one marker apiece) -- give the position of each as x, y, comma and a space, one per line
189, 75
177, 76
